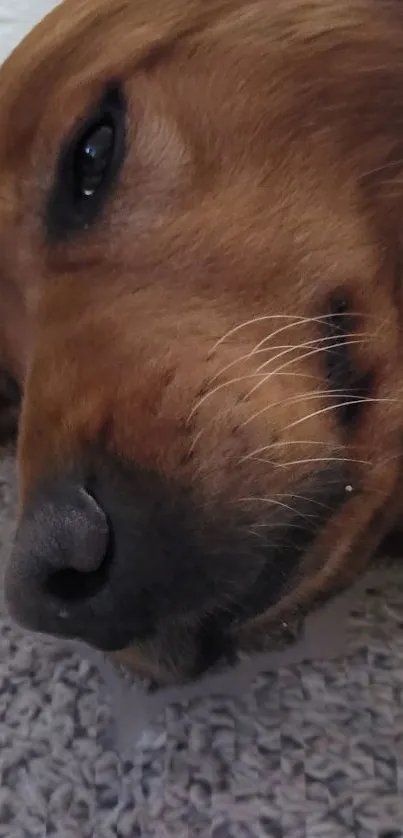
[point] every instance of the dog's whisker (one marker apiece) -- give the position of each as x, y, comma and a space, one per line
259, 348
221, 415
327, 409
301, 397
273, 502
269, 525
303, 498
252, 354
333, 341
317, 351
263, 377
389, 164
321, 320
307, 460
237, 380
364, 400
297, 320
285, 443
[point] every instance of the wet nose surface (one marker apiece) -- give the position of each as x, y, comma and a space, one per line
59, 561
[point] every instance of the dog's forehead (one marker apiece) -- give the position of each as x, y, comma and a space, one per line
83, 40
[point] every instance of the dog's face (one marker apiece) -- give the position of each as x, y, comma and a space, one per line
200, 212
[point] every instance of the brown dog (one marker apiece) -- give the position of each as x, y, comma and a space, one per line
201, 299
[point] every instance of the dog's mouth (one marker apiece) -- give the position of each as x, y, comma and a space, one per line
118, 564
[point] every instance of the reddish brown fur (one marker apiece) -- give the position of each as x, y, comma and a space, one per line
263, 173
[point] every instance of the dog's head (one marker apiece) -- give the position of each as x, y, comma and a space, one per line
200, 228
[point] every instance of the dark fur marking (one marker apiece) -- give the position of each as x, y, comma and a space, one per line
340, 371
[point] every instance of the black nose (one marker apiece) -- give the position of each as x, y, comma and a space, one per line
59, 562
120, 561
101, 564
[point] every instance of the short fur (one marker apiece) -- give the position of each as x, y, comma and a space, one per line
262, 186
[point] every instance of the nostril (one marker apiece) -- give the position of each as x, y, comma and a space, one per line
69, 585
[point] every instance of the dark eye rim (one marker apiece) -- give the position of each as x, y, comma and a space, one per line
66, 213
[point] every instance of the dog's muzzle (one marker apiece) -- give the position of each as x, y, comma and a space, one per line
115, 556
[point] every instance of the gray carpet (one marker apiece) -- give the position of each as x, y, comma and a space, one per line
312, 751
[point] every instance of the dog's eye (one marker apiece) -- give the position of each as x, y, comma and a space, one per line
88, 165
93, 157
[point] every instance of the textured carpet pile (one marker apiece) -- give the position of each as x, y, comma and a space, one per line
313, 751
